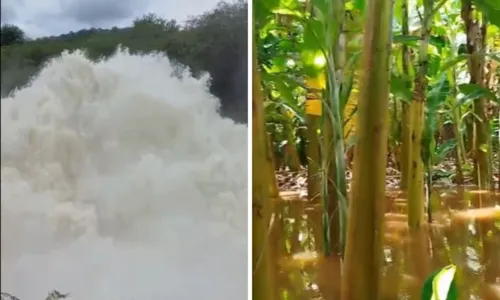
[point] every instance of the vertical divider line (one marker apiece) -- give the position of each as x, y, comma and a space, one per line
249, 145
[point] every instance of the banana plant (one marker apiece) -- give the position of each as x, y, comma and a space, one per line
435, 99
290, 56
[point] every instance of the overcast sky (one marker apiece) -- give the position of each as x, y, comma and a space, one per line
53, 17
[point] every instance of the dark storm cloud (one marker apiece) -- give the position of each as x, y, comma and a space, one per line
53, 17
99, 12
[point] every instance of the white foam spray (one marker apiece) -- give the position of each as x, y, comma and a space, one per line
120, 181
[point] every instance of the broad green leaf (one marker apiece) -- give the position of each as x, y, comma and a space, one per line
438, 94
360, 5
494, 56
434, 64
474, 91
285, 91
321, 8
439, 42
263, 8
483, 148
462, 49
399, 88
313, 46
491, 8
436, 97
405, 39
346, 87
443, 149
278, 65
441, 285
285, 11
493, 30
314, 36
452, 62
440, 32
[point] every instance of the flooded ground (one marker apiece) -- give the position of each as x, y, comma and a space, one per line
465, 231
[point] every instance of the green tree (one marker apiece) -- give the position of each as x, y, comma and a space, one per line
11, 34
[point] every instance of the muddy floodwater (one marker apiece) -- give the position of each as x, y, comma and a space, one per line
465, 231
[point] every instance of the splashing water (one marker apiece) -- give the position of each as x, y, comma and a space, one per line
121, 181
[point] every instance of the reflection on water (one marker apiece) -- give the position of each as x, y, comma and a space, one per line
465, 230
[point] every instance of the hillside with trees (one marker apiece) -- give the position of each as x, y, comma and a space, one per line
214, 42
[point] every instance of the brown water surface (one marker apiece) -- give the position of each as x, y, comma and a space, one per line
465, 231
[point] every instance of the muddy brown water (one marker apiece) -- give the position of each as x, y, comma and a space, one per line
465, 231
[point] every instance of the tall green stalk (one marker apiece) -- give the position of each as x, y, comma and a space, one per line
476, 40
262, 286
406, 143
334, 142
363, 255
335, 63
334, 187
416, 182
460, 154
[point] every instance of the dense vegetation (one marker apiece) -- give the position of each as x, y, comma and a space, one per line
377, 89
214, 42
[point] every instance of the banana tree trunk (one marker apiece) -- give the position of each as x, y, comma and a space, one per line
273, 184
407, 114
363, 253
262, 287
476, 39
416, 182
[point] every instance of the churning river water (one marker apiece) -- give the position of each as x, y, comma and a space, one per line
121, 181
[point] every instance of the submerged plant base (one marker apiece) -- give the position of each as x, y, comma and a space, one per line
492, 291
455, 235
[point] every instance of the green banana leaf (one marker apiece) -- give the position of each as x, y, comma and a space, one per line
441, 285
